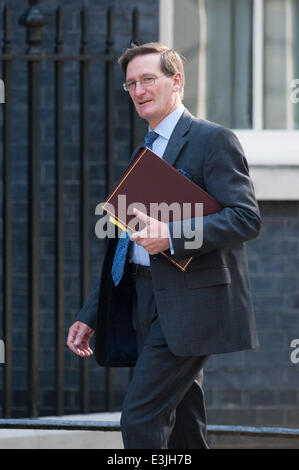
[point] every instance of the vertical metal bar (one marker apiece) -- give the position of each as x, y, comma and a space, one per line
233, 123
33, 21
59, 134
84, 77
133, 114
110, 126
7, 222
33, 219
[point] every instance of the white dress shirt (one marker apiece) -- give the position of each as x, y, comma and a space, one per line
138, 254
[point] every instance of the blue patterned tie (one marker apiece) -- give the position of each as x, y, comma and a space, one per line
121, 251
150, 139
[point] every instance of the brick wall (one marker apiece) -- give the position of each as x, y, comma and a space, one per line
261, 387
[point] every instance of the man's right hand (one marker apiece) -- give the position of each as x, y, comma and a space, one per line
78, 339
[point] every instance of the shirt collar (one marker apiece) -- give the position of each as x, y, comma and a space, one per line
167, 125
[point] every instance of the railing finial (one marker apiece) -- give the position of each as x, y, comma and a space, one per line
33, 20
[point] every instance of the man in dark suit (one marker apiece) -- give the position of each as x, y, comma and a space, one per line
178, 318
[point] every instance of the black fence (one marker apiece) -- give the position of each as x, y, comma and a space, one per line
212, 429
32, 19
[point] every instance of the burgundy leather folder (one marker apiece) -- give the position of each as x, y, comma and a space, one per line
150, 180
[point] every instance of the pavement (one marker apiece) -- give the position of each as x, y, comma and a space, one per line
52, 439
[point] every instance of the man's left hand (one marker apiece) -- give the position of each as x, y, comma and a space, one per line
154, 237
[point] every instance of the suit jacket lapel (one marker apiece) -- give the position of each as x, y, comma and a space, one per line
178, 138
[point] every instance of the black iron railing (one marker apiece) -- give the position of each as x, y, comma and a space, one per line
78, 425
34, 22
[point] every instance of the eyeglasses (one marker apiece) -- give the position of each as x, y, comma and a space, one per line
146, 81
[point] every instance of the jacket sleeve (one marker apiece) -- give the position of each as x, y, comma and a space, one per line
88, 313
226, 178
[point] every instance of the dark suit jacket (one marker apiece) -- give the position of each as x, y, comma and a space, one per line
207, 309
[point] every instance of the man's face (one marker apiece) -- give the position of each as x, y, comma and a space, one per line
155, 102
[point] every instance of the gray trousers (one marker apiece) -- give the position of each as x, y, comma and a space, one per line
164, 407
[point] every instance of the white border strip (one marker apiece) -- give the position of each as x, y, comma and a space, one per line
258, 64
166, 22
202, 61
289, 64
